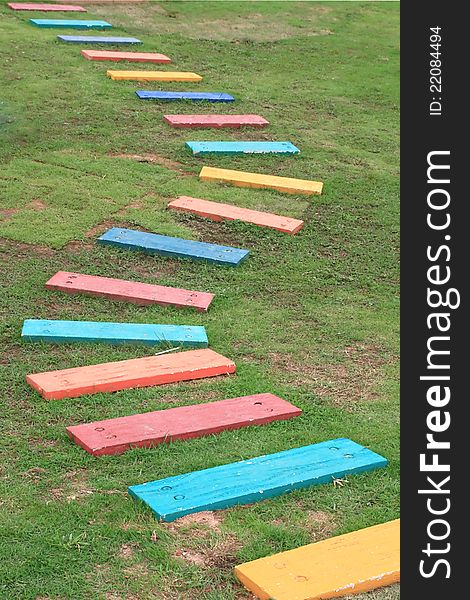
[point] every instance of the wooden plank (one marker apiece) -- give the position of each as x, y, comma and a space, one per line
255, 479
128, 291
258, 180
149, 334
152, 76
347, 564
144, 57
217, 121
218, 211
163, 245
71, 23
198, 148
115, 436
193, 96
94, 39
133, 373
46, 7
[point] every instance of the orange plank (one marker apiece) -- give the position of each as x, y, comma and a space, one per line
347, 564
153, 76
218, 211
125, 374
115, 56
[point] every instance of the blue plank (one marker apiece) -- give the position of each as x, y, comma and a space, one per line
172, 246
194, 96
92, 39
255, 479
71, 23
38, 330
242, 148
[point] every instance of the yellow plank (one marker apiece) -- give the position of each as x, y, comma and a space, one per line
153, 76
258, 180
347, 564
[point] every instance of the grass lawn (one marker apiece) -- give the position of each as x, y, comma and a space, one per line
312, 318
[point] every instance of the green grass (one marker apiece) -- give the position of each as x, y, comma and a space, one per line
312, 318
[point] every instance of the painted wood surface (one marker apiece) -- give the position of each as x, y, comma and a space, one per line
153, 76
216, 121
114, 436
193, 96
347, 564
163, 245
255, 479
128, 291
71, 23
141, 57
218, 211
133, 373
258, 180
201, 148
148, 334
94, 39
46, 7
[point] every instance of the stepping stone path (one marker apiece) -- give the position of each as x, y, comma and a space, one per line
356, 562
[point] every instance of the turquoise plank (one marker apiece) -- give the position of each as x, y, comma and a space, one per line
71, 23
92, 39
38, 330
255, 479
171, 246
194, 96
242, 148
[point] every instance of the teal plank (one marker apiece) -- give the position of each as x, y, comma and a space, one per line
92, 39
242, 148
255, 479
71, 23
170, 246
55, 331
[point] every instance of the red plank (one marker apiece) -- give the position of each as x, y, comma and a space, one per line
115, 436
215, 120
46, 7
149, 57
125, 374
128, 291
218, 211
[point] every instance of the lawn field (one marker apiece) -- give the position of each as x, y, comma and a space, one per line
313, 318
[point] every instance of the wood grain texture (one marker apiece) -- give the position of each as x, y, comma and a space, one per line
70, 24
125, 374
114, 436
140, 57
128, 291
215, 121
153, 76
255, 479
95, 39
148, 334
340, 566
202, 148
218, 211
46, 7
287, 185
193, 96
163, 245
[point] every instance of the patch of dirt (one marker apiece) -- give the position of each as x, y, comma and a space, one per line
127, 551
9, 248
345, 383
219, 555
157, 159
42, 443
207, 519
136, 570
36, 205
75, 487
6, 213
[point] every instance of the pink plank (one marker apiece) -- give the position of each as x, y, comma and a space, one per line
46, 7
114, 436
215, 120
115, 56
128, 291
